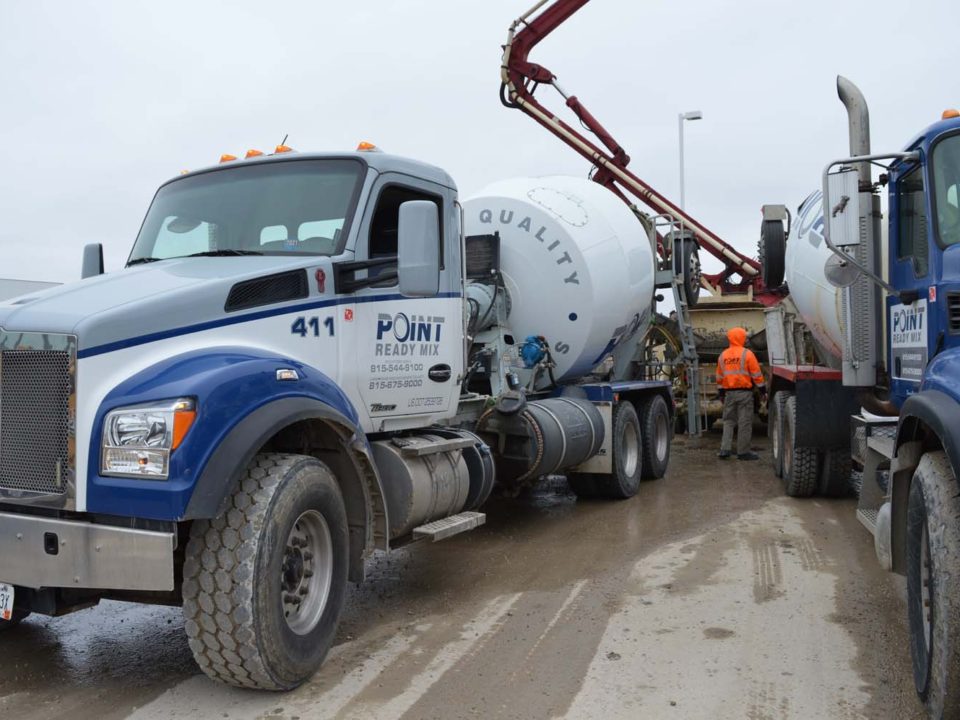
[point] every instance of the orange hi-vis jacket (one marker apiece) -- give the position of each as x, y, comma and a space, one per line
737, 368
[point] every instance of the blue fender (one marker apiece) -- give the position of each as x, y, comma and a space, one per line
935, 408
240, 405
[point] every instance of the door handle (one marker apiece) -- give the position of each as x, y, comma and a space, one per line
440, 373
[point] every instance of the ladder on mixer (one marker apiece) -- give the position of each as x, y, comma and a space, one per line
672, 277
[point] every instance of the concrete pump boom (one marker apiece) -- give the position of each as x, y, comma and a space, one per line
520, 80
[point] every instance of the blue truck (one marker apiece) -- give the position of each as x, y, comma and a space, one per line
865, 360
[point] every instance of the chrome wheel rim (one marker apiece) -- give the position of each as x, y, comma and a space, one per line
629, 449
775, 432
926, 588
307, 572
661, 437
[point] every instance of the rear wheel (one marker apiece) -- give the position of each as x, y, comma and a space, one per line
624, 481
836, 478
800, 464
775, 429
263, 584
933, 585
655, 434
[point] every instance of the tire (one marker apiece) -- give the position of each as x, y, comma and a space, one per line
800, 464
690, 269
284, 532
933, 575
655, 434
775, 424
773, 250
837, 475
18, 617
624, 481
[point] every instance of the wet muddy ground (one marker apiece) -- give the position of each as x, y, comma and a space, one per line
709, 595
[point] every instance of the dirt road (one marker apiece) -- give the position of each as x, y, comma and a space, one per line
709, 595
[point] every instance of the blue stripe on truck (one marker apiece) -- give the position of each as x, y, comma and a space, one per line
223, 322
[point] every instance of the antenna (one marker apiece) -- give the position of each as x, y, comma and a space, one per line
284, 141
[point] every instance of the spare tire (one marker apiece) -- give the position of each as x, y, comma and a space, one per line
773, 251
686, 259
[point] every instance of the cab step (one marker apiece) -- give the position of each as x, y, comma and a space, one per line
449, 526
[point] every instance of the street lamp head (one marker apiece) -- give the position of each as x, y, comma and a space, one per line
692, 115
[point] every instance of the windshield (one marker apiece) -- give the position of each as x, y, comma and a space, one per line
946, 184
295, 207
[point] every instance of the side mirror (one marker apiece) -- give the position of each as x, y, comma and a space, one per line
92, 260
841, 211
418, 249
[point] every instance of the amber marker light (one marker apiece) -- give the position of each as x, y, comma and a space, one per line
183, 417
284, 149
366, 146
950, 114
227, 157
253, 153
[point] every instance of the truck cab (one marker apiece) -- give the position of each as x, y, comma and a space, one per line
924, 257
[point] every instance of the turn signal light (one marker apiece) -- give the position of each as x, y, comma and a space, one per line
227, 157
182, 421
253, 153
366, 146
283, 149
949, 114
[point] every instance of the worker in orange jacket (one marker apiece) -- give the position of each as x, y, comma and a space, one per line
738, 372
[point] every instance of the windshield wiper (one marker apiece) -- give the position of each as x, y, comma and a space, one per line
225, 251
142, 260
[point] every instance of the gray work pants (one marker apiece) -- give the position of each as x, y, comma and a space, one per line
737, 413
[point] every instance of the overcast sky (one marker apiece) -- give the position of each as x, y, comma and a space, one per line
103, 101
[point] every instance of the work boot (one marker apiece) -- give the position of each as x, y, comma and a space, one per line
748, 456
724, 454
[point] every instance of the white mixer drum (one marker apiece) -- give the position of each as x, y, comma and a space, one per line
817, 301
576, 262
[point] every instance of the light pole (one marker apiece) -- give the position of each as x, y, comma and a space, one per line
692, 115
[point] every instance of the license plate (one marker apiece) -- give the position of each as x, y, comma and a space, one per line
6, 601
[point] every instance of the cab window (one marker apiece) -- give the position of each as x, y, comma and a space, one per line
946, 183
383, 238
912, 221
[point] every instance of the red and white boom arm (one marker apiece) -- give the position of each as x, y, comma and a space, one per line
520, 80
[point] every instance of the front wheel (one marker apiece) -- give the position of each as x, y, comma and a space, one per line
933, 585
263, 583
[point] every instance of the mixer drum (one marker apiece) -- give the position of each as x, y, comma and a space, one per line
577, 264
818, 302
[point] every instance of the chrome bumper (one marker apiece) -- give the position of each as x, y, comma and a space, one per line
86, 555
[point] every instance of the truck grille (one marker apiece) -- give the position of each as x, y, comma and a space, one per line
37, 409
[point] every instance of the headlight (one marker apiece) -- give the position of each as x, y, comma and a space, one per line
137, 441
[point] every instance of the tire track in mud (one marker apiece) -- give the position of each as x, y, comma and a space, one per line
767, 570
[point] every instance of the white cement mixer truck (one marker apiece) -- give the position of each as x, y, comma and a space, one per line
306, 359
864, 356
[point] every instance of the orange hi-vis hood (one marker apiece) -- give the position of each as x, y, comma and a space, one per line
737, 337
737, 367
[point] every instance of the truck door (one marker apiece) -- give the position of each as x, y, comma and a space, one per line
912, 332
408, 351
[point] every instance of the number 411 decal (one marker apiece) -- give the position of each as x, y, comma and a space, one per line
304, 326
